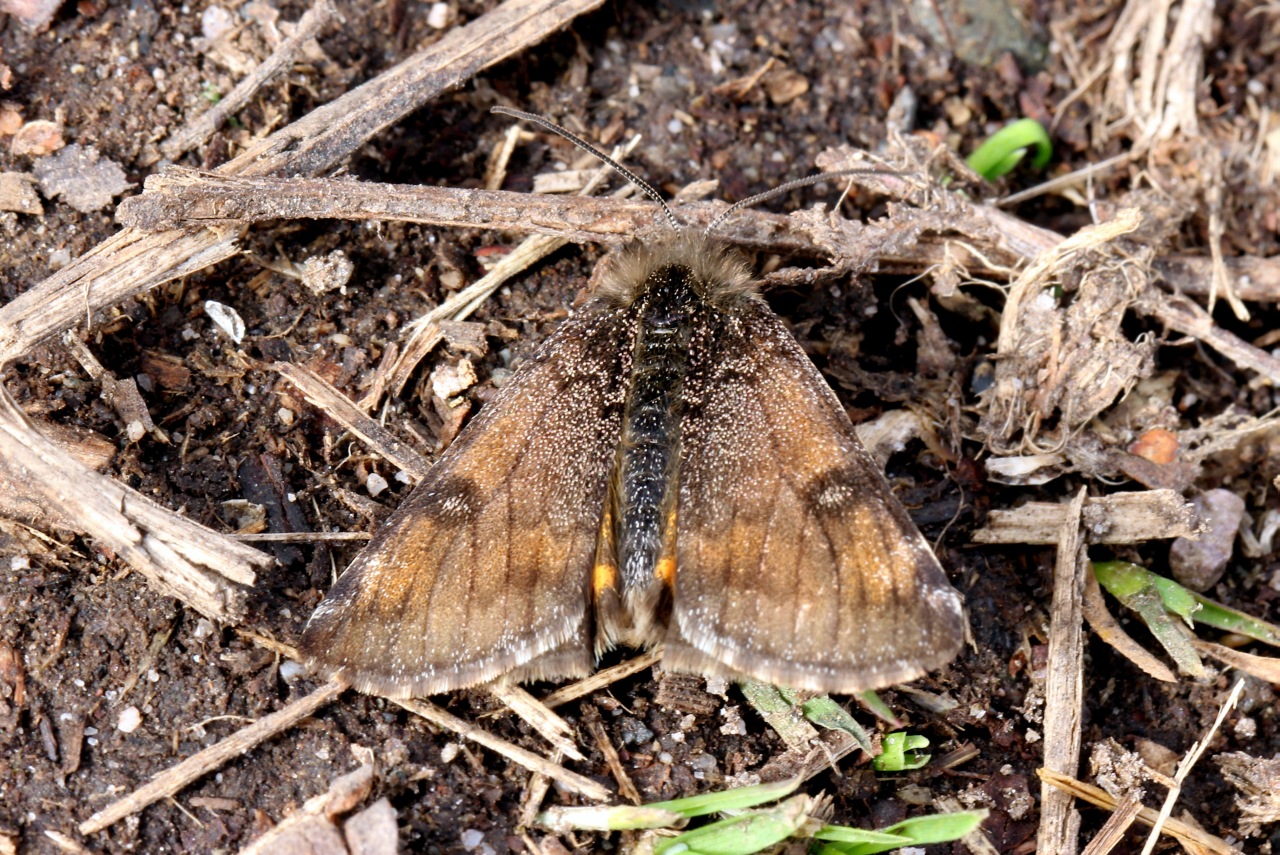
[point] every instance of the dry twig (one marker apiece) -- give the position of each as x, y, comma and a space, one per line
182, 558
1064, 686
1122, 518
571, 780
201, 763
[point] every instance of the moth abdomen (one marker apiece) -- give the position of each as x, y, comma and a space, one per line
648, 456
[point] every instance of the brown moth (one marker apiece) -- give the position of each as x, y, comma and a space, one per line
669, 468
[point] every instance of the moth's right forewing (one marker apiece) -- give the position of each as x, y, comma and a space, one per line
486, 567
795, 564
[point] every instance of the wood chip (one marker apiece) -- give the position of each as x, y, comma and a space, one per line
1121, 518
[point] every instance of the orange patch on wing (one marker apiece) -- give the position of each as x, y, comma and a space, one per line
666, 571
604, 573
604, 577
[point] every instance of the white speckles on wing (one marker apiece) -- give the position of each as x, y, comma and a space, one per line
795, 563
486, 566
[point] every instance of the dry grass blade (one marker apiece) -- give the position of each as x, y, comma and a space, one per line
1187, 763
1094, 609
1266, 668
1101, 798
1113, 830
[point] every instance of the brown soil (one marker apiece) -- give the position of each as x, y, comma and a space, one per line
80, 627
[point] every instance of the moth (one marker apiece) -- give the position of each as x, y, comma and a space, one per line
669, 468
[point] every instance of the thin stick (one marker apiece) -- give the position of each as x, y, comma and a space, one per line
1064, 686
572, 780
1181, 314
626, 788
202, 762
1184, 767
600, 679
300, 536
281, 59
340, 408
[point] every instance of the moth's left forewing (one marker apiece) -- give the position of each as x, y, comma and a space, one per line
795, 562
485, 569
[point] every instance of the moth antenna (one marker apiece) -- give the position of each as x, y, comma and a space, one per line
590, 149
788, 187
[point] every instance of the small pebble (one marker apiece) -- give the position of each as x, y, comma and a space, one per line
438, 17
1199, 564
130, 720
375, 484
216, 21
226, 319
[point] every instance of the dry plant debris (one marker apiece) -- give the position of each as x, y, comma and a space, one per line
1054, 359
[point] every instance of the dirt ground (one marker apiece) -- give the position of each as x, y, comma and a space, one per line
104, 682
